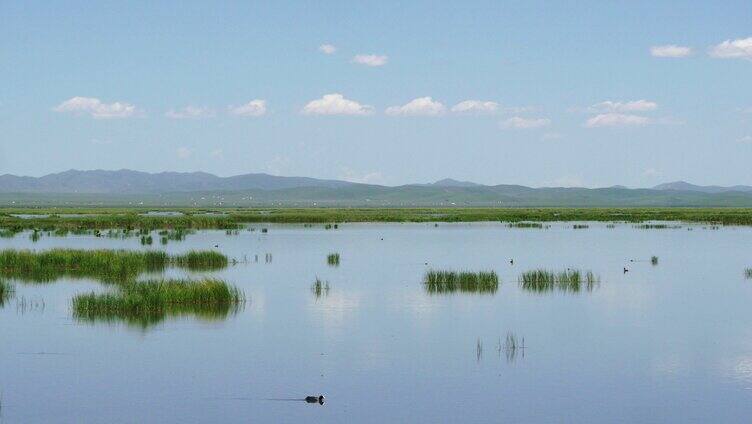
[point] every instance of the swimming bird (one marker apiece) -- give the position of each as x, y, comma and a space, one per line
315, 399
626, 270
511, 261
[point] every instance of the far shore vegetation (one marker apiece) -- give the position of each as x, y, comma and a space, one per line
80, 219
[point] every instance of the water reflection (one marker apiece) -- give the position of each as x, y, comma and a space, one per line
7, 291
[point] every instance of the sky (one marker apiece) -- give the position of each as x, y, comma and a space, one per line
586, 93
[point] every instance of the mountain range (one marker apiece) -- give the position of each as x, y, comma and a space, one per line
200, 188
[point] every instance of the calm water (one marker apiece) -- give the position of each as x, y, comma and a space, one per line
665, 343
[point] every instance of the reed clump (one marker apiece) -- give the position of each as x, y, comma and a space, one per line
654, 260
748, 273
537, 225
320, 288
541, 281
113, 266
146, 303
332, 259
442, 281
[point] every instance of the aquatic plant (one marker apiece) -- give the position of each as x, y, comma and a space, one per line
320, 288
748, 273
200, 260
525, 225
148, 302
114, 266
541, 280
332, 259
580, 226
441, 281
654, 260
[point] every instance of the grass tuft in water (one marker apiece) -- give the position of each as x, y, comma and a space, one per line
580, 226
441, 281
145, 303
332, 259
654, 260
748, 273
537, 225
114, 266
320, 288
541, 281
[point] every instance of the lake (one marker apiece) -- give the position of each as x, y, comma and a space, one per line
670, 342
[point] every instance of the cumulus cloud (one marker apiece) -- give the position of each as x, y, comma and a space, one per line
631, 106
95, 108
256, 107
327, 49
670, 50
190, 112
370, 59
616, 120
733, 49
746, 139
521, 123
422, 106
335, 104
348, 174
475, 106
184, 152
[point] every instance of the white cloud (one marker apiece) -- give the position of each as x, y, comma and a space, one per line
616, 120
422, 106
190, 112
336, 104
518, 122
631, 106
370, 59
733, 49
95, 108
475, 106
217, 154
327, 49
565, 181
652, 173
184, 152
670, 50
746, 139
256, 107
348, 174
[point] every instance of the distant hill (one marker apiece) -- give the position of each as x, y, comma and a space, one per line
126, 187
685, 186
127, 181
448, 182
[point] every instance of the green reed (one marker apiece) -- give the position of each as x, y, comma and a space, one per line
541, 281
146, 303
442, 281
114, 266
332, 259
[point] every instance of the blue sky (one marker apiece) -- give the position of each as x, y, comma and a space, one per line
555, 93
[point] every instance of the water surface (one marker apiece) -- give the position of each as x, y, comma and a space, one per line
671, 342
